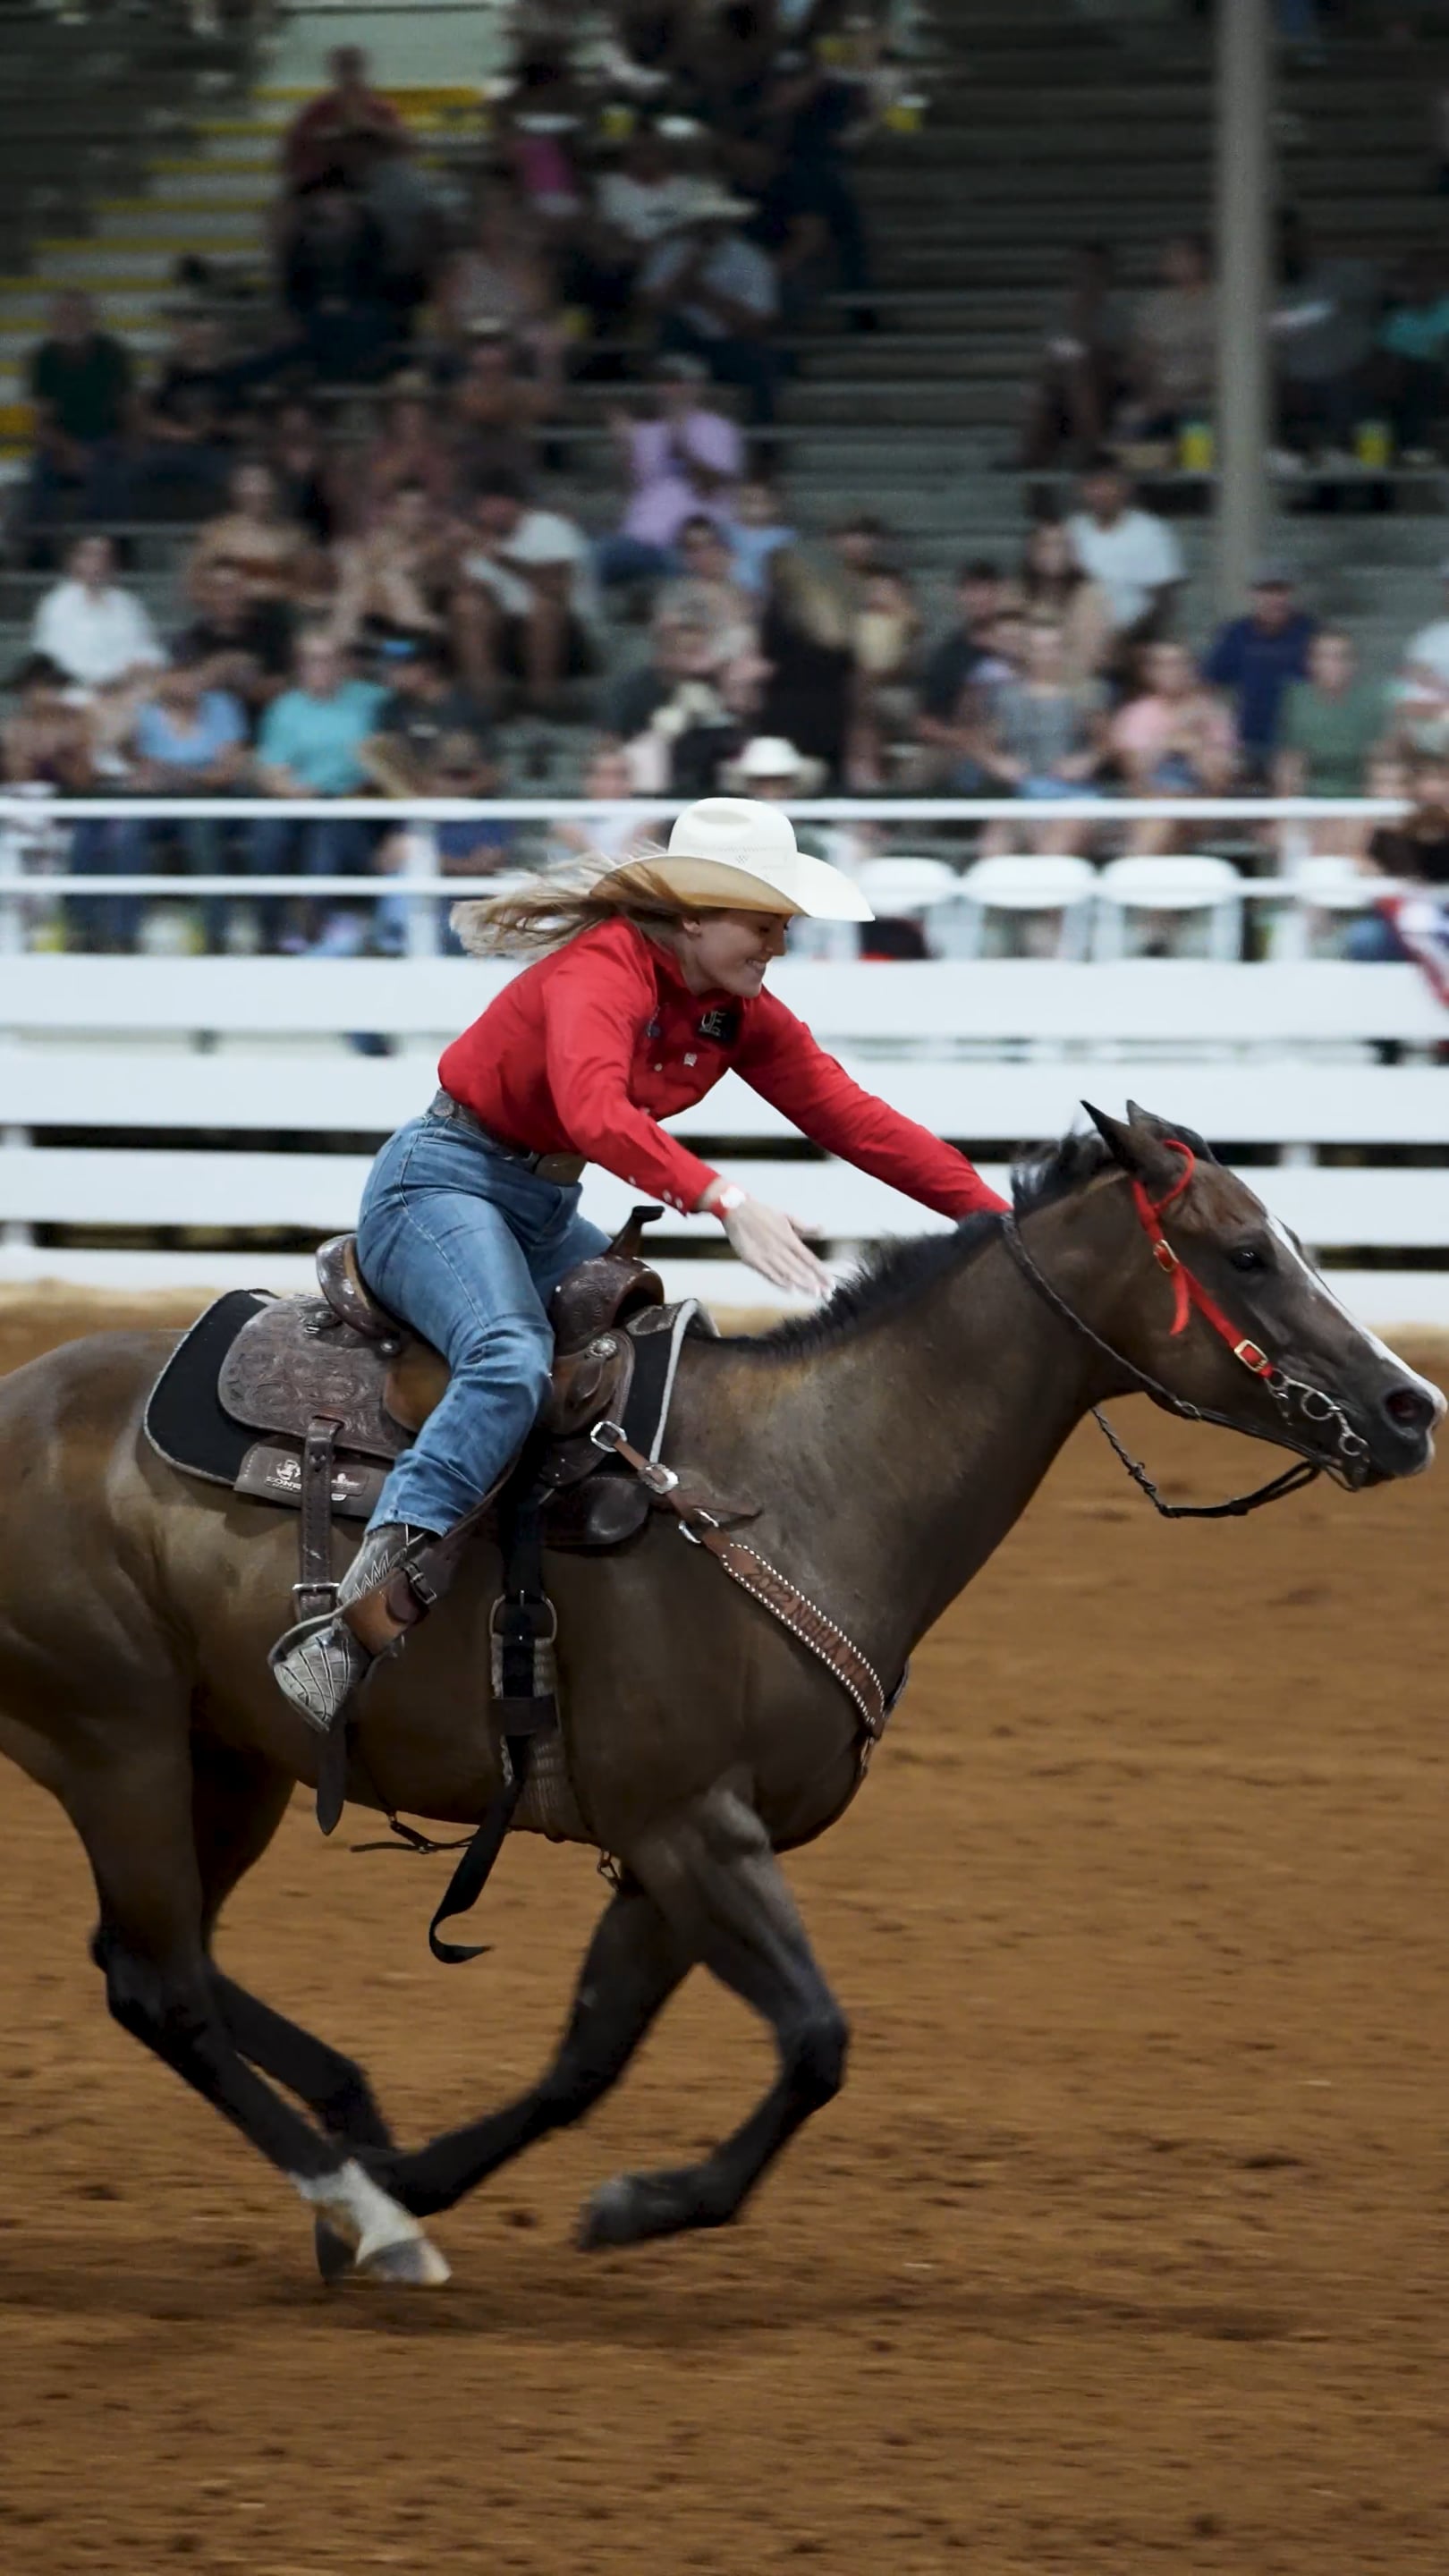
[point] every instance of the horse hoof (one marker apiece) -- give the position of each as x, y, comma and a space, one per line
412, 2263
611, 2217
334, 2254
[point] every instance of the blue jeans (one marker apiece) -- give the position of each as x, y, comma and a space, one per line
467, 1246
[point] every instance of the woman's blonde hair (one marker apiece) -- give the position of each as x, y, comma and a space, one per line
547, 915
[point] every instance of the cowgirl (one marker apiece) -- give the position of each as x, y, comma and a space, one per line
649, 988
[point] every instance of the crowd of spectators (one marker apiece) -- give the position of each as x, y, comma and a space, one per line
386, 590
1359, 354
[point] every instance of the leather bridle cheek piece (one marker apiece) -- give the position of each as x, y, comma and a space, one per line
1189, 1297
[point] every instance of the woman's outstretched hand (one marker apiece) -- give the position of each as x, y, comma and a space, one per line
769, 1242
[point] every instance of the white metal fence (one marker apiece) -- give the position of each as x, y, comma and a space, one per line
199, 1119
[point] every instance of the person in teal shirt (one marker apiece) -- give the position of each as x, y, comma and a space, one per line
310, 744
1407, 370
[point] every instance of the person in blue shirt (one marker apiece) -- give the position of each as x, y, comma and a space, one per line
186, 740
1255, 658
310, 744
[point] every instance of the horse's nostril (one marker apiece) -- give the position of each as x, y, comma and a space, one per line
1409, 1410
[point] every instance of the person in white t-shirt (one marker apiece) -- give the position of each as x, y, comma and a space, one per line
1132, 554
717, 297
526, 606
100, 635
1422, 688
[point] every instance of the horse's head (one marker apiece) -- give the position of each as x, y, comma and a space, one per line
1216, 1303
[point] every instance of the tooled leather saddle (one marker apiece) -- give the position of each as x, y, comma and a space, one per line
305, 1402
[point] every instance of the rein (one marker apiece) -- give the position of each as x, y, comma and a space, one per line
1189, 1297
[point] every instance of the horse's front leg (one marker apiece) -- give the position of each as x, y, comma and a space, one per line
715, 1879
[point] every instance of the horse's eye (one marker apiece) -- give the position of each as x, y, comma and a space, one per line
1249, 1256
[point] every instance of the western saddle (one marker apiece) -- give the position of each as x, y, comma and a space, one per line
342, 1376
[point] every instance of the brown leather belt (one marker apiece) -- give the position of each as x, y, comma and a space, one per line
562, 1168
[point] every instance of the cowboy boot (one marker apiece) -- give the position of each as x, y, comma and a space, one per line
318, 1664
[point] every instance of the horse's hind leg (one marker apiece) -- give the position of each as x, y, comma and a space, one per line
718, 1883
633, 1964
238, 1801
134, 1816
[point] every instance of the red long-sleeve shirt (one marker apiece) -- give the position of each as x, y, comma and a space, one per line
589, 1048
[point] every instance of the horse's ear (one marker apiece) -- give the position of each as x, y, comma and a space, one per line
1115, 1135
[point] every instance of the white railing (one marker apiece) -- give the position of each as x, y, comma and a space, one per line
207, 1055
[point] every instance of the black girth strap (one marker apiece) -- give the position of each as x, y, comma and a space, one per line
525, 1692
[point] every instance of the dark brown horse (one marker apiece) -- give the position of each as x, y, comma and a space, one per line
891, 1441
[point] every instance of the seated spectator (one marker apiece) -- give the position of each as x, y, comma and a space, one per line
413, 446
757, 528
1407, 376
310, 745
325, 135
99, 634
610, 777
1052, 583
682, 651
949, 718
1173, 358
185, 420
1083, 370
1132, 554
1045, 738
635, 206
1331, 725
674, 718
1254, 659
500, 402
1414, 853
682, 461
45, 741
296, 452
188, 739
394, 581
425, 708
478, 845
334, 287
525, 606
715, 297
503, 279
1323, 330
254, 534
81, 388
706, 593
1422, 689
1174, 739
244, 644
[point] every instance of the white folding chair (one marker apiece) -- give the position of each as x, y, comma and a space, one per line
911, 890
1154, 887
1323, 890
1022, 886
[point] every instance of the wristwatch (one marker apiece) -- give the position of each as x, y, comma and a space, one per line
728, 1199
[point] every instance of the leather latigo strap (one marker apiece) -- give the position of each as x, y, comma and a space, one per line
763, 1581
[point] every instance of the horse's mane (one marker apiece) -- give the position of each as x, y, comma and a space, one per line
894, 1273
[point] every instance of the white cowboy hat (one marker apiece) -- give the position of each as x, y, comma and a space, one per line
733, 854
770, 756
709, 203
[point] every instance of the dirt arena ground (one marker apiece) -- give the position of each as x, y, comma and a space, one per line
1127, 2246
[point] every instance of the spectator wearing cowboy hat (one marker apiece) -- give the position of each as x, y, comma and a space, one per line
773, 772
716, 297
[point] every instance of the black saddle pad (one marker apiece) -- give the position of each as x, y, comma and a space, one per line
184, 1417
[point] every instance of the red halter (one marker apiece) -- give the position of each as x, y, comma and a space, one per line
1188, 1291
